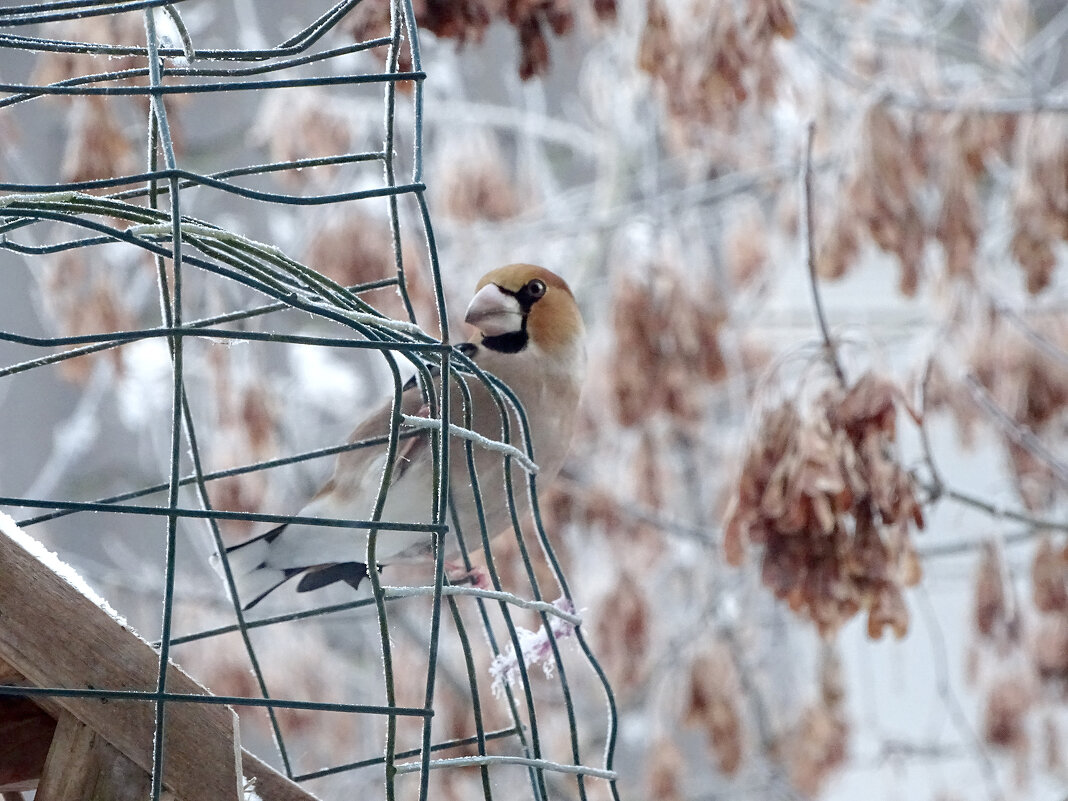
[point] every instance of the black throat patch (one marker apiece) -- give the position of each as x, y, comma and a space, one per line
512, 342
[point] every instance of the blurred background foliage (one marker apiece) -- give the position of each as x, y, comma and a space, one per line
804, 582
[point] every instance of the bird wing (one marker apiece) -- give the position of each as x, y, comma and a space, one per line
355, 468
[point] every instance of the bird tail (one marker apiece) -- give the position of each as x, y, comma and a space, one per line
255, 577
352, 573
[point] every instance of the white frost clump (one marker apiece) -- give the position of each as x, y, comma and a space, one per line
249, 789
536, 648
145, 388
56, 565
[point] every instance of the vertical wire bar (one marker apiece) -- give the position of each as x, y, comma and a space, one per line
532, 746
162, 127
417, 66
536, 589
610, 699
242, 625
558, 572
372, 537
198, 473
390, 755
388, 155
476, 701
506, 400
442, 458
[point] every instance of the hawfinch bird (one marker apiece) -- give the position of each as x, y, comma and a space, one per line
528, 333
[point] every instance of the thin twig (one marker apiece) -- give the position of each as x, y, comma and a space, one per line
936, 486
1036, 523
954, 708
810, 255
1040, 342
937, 489
1019, 434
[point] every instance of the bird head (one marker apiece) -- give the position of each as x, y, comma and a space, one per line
521, 304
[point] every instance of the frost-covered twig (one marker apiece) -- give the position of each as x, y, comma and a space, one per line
466, 433
810, 255
557, 609
1021, 435
545, 764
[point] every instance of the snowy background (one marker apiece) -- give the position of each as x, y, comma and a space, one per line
652, 158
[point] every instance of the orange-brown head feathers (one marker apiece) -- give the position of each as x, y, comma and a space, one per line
523, 301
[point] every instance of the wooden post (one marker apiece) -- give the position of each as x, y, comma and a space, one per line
25, 734
83, 766
52, 636
56, 637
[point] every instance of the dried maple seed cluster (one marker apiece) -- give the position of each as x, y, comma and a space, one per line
711, 61
467, 20
1031, 386
477, 183
1020, 655
826, 497
1049, 585
817, 744
666, 336
712, 705
903, 159
1041, 203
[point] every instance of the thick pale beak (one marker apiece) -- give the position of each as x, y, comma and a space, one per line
494, 312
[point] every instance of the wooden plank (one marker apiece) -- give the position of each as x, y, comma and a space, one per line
8, 674
82, 766
56, 637
270, 784
26, 732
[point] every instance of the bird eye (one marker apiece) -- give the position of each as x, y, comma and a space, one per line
536, 288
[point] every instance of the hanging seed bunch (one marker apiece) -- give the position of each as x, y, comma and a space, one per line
1016, 365
711, 704
1041, 202
817, 744
666, 342
823, 492
467, 21
1049, 587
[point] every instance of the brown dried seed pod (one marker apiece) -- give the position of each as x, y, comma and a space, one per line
888, 609
957, 228
657, 47
989, 604
533, 49
665, 771
711, 703
816, 747
1004, 716
1049, 577
478, 188
766, 19
623, 632
1049, 650
97, 146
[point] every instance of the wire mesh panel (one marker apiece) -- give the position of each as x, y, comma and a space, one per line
212, 327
